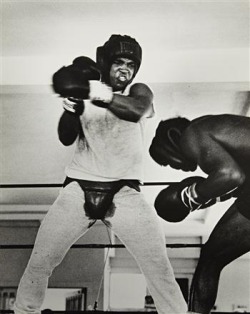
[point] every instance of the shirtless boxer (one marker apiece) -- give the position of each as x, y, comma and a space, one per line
220, 146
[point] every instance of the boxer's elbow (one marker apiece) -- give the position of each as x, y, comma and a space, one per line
65, 142
66, 139
234, 176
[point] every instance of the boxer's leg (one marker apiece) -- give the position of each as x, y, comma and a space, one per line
64, 223
229, 240
138, 227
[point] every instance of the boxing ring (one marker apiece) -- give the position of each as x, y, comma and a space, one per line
94, 246
97, 311
99, 246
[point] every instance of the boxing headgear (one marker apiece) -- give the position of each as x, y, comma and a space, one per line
165, 146
118, 46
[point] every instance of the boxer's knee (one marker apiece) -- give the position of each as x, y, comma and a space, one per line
43, 265
38, 270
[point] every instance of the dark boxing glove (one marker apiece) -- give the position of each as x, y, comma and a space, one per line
73, 80
175, 202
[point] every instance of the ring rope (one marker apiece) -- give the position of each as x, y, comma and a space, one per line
58, 185
99, 246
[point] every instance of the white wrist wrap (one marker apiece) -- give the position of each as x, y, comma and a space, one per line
189, 196
73, 105
100, 91
69, 105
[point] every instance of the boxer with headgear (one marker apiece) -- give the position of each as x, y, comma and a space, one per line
104, 116
219, 145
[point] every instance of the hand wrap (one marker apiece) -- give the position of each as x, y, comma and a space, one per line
190, 197
100, 92
73, 105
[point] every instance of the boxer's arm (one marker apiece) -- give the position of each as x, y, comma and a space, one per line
69, 128
224, 173
133, 107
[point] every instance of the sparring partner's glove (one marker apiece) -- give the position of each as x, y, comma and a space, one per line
80, 80
175, 202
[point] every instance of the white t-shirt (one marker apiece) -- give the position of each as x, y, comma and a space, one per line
112, 149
